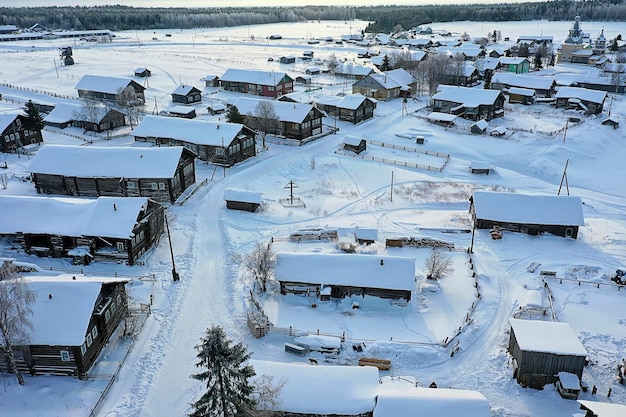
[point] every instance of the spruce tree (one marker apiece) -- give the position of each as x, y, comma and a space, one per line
233, 115
226, 374
34, 119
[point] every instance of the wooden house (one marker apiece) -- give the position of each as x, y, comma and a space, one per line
469, 103
294, 120
185, 112
517, 65
543, 86
211, 81
242, 199
352, 392
479, 127
106, 228
466, 75
521, 95
313, 71
303, 79
354, 144
530, 214
260, 83
386, 86
601, 409
161, 174
346, 275
142, 72
15, 137
289, 59
73, 319
590, 101
219, 143
106, 88
350, 70
352, 108
63, 115
100, 119
542, 349
186, 94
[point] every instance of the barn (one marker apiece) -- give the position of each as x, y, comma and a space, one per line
242, 199
346, 275
542, 349
73, 318
161, 174
530, 214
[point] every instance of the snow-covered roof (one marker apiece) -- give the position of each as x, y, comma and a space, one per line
352, 140
394, 79
180, 109
184, 89
113, 217
358, 232
300, 97
102, 84
63, 113
441, 117
399, 398
522, 91
328, 100
367, 271
286, 111
522, 81
63, 318
509, 60
601, 409
6, 119
94, 161
569, 380
480, 165
529, 209
200, 132
547, 337
351, 69
353, 101
269, 78
322, 390
481, 124
469, 97
234, 194
593, 96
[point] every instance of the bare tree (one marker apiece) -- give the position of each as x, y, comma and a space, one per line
16, 299
130, 104
264, 119
436, 68
438, 265
333, 62
260, 263
267, 396
89, 110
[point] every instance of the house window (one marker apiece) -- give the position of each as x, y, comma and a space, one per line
119, 298
65, 355
162, 186
131, 185
83, 349
154, 186
6, 138
107, 316
120, 246
89, 339
94, 332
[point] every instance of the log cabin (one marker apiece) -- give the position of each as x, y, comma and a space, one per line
14, 135
260, 83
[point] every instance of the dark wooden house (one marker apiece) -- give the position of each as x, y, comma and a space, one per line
542, 349
220, 143
530, 214
96, 119
186, 94
185, 112
542, 85
242, 199
590, 101
354, 144
161, 174
14, 135
288, 59
469, 103
521, 95
73, 319
352, 108
346, 275
479, 127
106, 228
142, 72
106, 88
466, 75
260, 83
294, 120
211, 81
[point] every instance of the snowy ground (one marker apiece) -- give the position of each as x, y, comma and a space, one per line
343, 191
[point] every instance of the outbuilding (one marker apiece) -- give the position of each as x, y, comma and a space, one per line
186, 94
186, 112
354, 144
242, 199
479, 127
521, 95
542, 349
480, 167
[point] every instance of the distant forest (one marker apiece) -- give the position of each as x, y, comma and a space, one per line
385, 19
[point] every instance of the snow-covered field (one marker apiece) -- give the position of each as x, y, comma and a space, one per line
342, 191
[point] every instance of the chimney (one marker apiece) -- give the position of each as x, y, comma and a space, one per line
114, 207
382, 261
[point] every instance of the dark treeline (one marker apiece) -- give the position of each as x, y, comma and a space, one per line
384, 18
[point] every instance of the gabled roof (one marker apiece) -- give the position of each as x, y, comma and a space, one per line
547, 337
184, 89
93, 161
6, 119
508, 60
63, 113
286, 111
267, 78
368, 271
200, 132
322, 390
63, 307
593, 96
522, 81
353, 101
469, 97
557, 210
350, 69
522, 91
601, 409
352, 140
107, 85
113, 217
234, 194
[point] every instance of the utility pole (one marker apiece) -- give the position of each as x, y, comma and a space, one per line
291, 186
565, 131
564, 178
175, 276
391, 187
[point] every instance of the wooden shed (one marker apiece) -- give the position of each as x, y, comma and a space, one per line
142, 72
186, 112
354, 144
480, 167
73, 318
521, 95
289, 59
242, 199
542, 349
611, 121
479, 127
